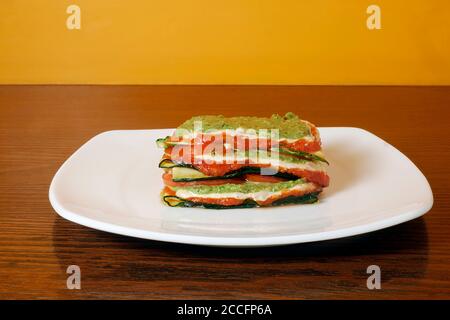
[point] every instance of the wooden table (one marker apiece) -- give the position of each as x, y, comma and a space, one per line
40, 126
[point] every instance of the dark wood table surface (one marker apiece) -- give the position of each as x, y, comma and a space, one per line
40, 126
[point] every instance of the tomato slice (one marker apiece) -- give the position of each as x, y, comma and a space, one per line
303, 145
285, 194
262, 178
168, 191
219, 201
220, 169
167, 178
319, 177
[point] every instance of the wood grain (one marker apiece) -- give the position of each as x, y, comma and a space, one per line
40, 126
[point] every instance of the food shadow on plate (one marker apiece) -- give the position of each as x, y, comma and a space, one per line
403, 248
347, 165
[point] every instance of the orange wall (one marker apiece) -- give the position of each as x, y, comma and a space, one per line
233, 41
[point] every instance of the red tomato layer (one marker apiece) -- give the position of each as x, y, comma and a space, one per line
243, 143
302, 145
319, 177
219, 201
168, 191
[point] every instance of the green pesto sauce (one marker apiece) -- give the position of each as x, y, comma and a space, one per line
290, 126
247, 187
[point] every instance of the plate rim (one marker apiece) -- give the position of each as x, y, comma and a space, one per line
258, 241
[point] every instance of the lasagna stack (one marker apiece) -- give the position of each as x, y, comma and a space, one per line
242, 162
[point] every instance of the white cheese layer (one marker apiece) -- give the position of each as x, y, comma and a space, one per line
274, 162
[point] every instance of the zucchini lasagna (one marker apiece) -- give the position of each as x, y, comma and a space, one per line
242, 162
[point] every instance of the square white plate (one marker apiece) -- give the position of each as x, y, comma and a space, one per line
112, 183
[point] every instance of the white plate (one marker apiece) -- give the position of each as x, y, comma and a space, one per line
112, 183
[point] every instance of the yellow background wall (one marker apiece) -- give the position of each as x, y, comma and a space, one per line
229, 41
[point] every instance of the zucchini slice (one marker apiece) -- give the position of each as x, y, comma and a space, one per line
179, 175
167, 164
173, 201
307, 198
161, 142
187, 174
243, 205
165, 142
